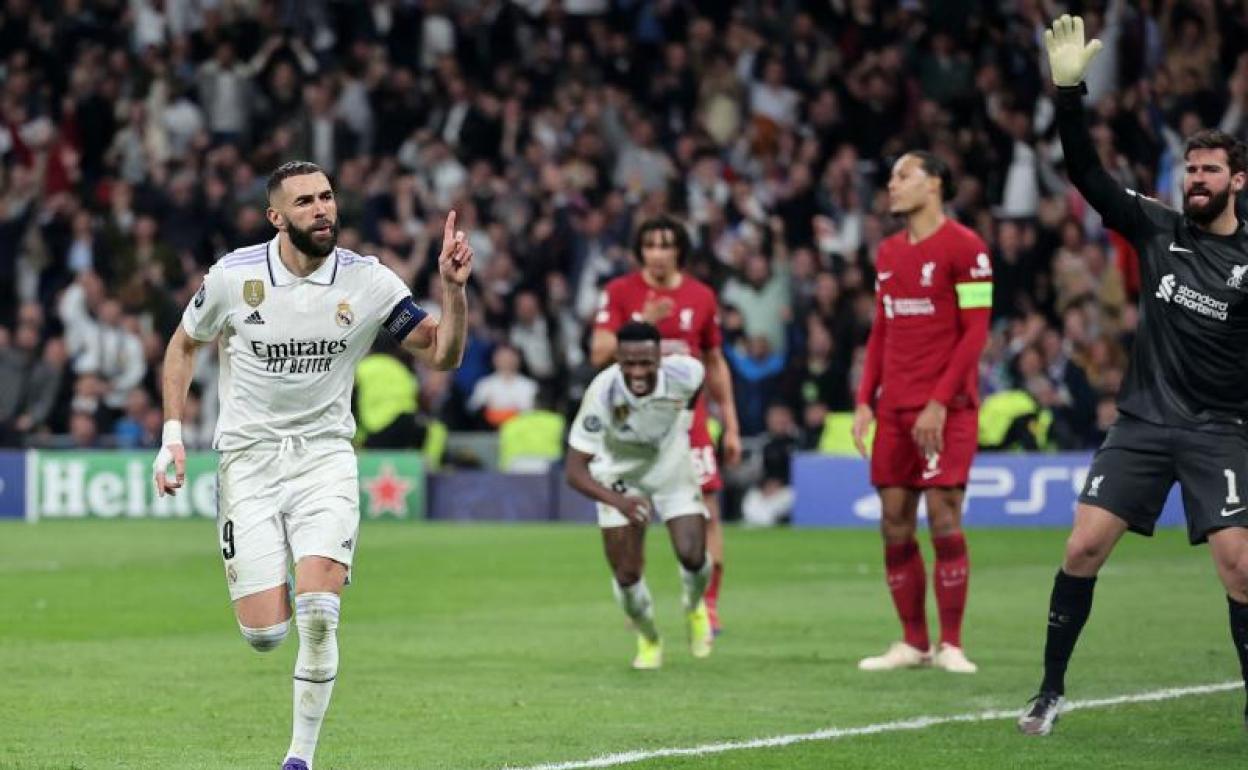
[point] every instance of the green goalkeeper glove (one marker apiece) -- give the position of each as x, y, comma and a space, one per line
1068, 56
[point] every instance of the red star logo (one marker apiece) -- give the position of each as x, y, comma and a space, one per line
387, 492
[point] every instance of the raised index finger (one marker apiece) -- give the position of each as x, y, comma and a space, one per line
448, 232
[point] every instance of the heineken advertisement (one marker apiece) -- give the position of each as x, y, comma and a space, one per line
109, 485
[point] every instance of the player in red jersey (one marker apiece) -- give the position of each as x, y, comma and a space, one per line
687, 315
920, 385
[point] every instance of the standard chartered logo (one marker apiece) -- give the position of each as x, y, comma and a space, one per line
1166, 289
1180, 294
109, 485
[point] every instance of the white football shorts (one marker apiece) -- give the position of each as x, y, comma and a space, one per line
281, 502
674, 500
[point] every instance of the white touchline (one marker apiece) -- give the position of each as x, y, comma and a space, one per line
915, 723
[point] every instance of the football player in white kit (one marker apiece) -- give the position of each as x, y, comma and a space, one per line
292, 317
629, 450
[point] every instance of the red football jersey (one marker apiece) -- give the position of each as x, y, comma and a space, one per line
932, 305
693, 319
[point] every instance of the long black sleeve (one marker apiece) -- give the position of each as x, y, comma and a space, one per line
1119, 208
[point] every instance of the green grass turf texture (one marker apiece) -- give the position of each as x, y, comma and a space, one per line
485, 646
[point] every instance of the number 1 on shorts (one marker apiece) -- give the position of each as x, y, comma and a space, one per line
1232, 494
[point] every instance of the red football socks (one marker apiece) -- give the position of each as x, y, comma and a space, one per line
907, 581
951, 576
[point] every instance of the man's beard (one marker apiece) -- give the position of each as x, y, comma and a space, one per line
1203, 214
305, 242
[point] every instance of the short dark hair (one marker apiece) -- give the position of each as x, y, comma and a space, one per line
638, 331
658, 224
288, 169
934, 165
1213, 139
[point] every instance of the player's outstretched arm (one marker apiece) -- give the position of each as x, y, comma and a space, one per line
576, 470
441, 343
178, 367
1069, 58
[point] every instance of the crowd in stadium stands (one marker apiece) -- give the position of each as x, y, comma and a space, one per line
135, 136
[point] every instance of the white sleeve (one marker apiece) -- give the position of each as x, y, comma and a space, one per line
685, 374
589, 428
206, 314
388, 288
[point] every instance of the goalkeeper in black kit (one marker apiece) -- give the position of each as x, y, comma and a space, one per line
1184, 401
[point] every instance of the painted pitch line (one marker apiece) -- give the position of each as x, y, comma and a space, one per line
836, 733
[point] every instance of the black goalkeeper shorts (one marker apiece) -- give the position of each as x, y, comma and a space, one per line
1134, 469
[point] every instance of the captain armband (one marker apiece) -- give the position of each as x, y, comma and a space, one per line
974, 295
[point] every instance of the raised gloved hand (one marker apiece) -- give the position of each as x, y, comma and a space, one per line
1069, 56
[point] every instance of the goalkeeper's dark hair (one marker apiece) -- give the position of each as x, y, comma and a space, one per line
934, 165
287, 170
638, 331
1213, 139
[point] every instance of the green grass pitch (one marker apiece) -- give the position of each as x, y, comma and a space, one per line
493, 646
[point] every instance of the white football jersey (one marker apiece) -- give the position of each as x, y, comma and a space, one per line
288, 345
644, 441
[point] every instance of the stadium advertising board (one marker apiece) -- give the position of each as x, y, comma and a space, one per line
12, 485
1005, 490
104, 484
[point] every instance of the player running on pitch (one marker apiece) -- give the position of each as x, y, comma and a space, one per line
920, 385
1183, 402
293, 317
629, 450
686, 313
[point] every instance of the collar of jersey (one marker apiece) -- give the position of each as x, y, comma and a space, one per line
280, 276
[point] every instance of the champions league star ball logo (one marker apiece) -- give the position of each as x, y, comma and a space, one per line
344, 317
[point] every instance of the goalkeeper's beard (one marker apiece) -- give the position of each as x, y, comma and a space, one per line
1211, 209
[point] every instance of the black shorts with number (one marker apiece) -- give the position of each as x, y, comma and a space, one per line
1133, 471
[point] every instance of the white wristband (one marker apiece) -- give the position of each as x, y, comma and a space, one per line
172, 433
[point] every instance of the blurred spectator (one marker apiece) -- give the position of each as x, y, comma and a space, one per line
763, 300
531, 335
756, 373
771, 501
110, 350
506, 392
128, 430
29, 384
83, 432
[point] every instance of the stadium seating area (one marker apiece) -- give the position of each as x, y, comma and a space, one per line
135, 138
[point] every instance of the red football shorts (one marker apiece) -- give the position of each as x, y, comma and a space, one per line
897, 462
703, 450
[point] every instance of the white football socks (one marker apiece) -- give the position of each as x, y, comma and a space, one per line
316, 615
635, 600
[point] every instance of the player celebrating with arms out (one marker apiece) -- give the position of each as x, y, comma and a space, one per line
629, 450
920, 384
1183, 401
687, 316
293, 317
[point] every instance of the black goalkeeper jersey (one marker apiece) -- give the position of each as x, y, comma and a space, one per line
1189, 366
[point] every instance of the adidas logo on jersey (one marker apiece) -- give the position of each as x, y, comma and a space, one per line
254, 318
